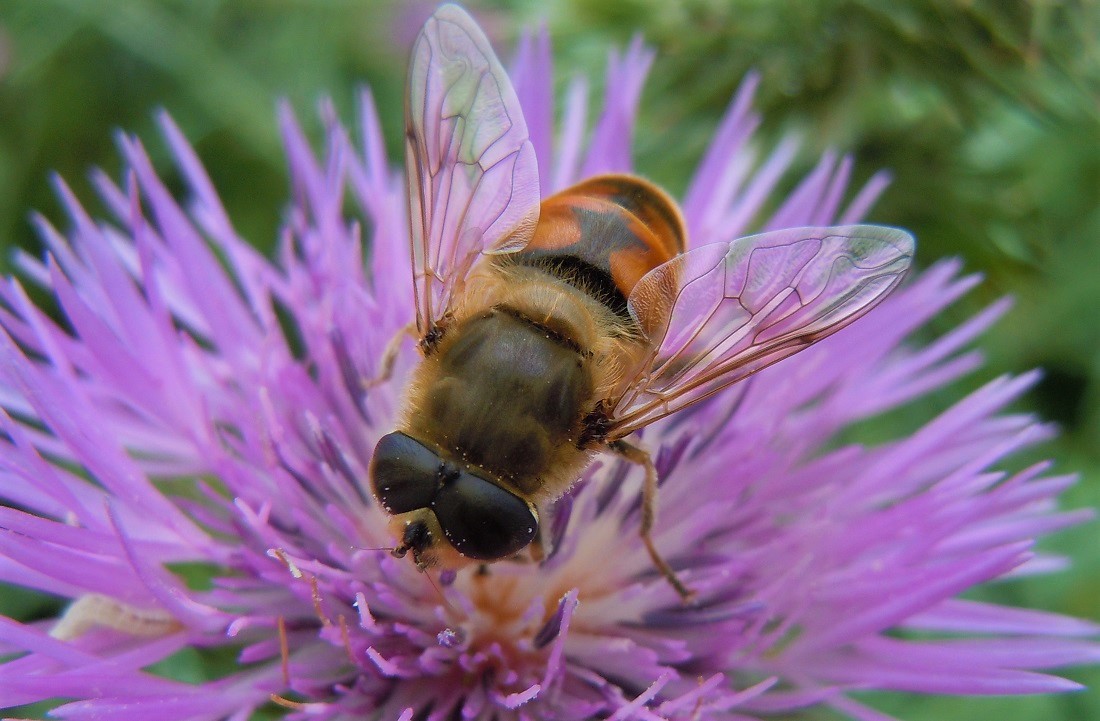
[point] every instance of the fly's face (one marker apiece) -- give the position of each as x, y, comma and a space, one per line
440, 507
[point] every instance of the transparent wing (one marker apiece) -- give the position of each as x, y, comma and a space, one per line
722, 312
473, 178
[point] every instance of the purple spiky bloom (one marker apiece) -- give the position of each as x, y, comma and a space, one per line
204, 408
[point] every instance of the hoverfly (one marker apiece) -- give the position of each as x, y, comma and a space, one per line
551, 329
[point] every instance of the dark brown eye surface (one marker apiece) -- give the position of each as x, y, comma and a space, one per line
482, 520
404, 473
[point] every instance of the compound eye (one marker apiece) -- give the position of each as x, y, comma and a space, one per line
404, 473
482, 520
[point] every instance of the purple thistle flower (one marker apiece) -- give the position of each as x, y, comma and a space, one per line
201, 408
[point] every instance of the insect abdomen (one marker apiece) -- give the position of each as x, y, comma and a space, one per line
604, 235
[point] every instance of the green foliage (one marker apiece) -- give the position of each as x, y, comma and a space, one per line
73, 73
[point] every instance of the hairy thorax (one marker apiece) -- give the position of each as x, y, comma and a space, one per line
517, 371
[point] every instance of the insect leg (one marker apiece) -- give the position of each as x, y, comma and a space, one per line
637, 455
389, 356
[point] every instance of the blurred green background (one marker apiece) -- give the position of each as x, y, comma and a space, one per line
987, 113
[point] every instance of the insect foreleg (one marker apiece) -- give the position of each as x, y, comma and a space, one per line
389, 356
634, 454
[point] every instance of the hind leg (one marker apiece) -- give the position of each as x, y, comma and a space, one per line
637, 455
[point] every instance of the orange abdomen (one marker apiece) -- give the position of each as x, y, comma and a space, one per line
605, 234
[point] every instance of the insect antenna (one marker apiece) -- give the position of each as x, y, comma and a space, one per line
398, 551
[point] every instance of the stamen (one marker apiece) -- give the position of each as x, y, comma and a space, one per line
346, 638
284, 650
451, 638
280, 555
315, 594
287, 703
